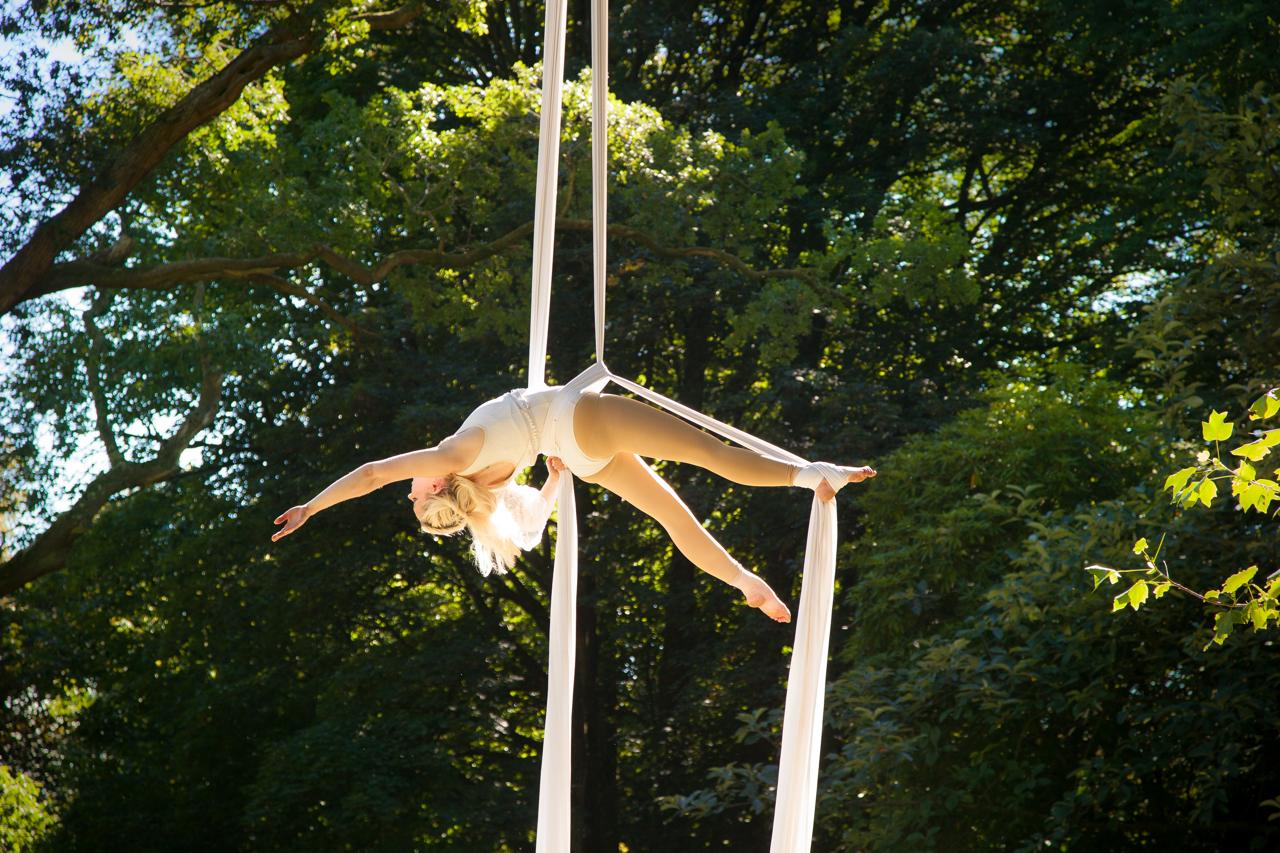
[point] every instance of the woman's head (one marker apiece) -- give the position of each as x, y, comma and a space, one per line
446, 505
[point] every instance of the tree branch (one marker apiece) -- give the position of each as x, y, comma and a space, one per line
291, 289
96, 345
49, 552
278, 46
165, 276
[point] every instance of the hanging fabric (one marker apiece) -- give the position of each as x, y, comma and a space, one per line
802, 718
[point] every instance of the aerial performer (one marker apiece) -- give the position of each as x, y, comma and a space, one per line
467, 482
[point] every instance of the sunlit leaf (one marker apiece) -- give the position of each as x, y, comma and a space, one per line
1177, 480
1216, 428
1137, 594
1265, 406
1101, 573
1239, 579
1253, 451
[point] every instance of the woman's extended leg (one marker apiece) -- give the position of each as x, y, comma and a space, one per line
605, 424
635, 482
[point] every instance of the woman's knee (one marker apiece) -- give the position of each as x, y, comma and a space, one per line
683, 527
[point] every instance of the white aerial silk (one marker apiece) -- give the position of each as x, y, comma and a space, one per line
802, 718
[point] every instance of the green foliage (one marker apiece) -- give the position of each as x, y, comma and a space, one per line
1020, 715
953, 503
1238, 601
25, 819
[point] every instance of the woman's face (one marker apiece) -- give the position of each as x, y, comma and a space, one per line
423, 487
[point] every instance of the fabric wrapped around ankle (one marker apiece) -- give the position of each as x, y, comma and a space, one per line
812, 475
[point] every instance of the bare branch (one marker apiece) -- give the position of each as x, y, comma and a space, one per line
49, 552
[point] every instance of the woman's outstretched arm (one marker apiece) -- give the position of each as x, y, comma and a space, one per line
453, 454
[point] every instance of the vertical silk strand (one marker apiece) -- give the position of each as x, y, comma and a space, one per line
554, 827
600, 159
806, 687
544, 209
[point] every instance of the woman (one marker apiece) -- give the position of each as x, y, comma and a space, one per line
468, 480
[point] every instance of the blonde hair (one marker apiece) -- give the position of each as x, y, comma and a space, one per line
464, 503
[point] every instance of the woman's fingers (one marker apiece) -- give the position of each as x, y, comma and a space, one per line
292, 519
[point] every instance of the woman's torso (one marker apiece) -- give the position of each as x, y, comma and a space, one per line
513, 426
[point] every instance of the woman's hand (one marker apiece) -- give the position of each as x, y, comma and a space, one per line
554, 465
292, 519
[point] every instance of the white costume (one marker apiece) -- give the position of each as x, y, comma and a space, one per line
517, 427
523, 423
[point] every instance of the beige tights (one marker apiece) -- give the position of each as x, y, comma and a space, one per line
607, 425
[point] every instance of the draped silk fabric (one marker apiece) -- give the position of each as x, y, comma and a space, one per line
802, 718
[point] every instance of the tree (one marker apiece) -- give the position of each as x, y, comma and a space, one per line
838, 227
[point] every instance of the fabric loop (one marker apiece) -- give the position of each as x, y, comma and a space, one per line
816, 473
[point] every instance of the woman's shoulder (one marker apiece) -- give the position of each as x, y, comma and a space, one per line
463, 446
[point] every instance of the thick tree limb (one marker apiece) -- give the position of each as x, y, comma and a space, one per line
279, 45
291, 289
165, 276
48, 553
718, 255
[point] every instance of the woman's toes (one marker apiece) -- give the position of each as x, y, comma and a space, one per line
777, 611
759, 594
857, 475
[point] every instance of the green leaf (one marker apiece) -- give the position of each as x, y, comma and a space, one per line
1140, 545
1270, 438
1101, 573
1178, 479
1216, 428
1120, 601
1251, 497
1161, 588
1253, 451
1208, 491
1265, 406
1137, 594
1258, 615
1223, 624
1239, 579
1246, 471
1267, 491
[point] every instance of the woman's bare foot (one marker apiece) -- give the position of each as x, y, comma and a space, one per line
760, 594
856, 475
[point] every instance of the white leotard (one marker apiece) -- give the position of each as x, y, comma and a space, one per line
522, 423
